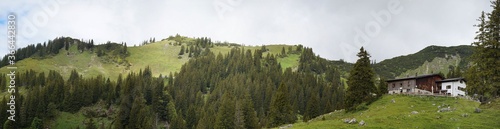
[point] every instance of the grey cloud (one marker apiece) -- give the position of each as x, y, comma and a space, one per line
325, 25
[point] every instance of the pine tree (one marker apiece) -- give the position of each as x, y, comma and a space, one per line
3, 82
36, 124
281, 110
251, 120
171, 111
283, 52
125, 52
8, 124
66, 46
382, 87
360, 81
239, 118
178, 123
482, 77
312, 108
160, 100
3, 113
226, 113
140, 115
182, 50
118, 88
127, 101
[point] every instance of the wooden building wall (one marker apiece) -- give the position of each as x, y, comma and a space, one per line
428, 82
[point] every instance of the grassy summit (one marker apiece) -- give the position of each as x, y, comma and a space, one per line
161, 56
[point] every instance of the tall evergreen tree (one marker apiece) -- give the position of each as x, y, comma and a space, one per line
125, 49
283, 52
281, 111
360, 81
251, 120
171, 111
36, 124
178, 123
382, 87
239, 119
160, 100
3, 113
182, 50
484, 74
312, 108
3, 82
127, 99
226, 114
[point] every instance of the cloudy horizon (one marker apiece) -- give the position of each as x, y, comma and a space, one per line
334, 29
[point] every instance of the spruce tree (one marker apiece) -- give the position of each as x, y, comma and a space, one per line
382, 87
3, 83
182, 50
283, 52
127, 100
312, 108
125, 52
239, 119
226, 113
178, 123
159, 100
171, 111
3, 113
281, 110
360, 81
251, 120
36, 123
8, 124
482, 77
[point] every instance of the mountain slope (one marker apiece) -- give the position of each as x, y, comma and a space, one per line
394, 67
385, 114
161, 56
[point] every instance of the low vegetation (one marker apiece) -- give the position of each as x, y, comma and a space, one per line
401, 111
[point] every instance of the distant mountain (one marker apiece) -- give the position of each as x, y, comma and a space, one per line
432, 59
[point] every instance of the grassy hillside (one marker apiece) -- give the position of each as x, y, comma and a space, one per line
385, 114
86, 63
161, 56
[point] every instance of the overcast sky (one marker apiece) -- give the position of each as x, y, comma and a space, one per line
335, 29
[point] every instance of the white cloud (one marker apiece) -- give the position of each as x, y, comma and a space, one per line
323, 25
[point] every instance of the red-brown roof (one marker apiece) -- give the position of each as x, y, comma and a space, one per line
414, 77
451, 79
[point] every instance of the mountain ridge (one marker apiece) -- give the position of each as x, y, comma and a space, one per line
163, 58
391, 68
